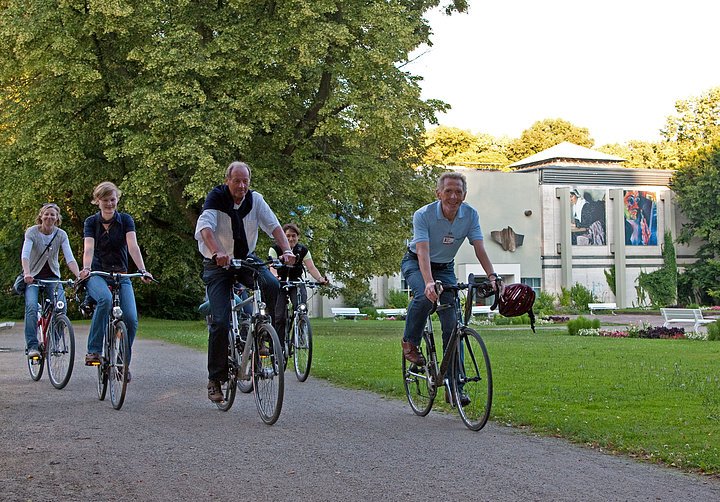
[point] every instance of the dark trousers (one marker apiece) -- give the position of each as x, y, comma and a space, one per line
219, 283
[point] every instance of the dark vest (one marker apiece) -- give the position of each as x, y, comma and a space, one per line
294, 272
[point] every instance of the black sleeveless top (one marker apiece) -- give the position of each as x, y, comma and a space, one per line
293, 272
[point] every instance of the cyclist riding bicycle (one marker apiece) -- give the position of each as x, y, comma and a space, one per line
226, 229
39, 258
439, 228
109, 238
303, 261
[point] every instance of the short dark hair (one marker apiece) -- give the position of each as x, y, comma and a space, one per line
291, 226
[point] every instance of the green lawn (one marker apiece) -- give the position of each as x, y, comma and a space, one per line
654, 399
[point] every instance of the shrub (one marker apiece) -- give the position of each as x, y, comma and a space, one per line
397, 299
581, 322
356, 293
713, 331
580, 296
544, 303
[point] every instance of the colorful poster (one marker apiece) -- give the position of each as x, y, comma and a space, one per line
587, 210
640, 218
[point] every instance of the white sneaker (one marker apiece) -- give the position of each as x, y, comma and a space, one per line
33, 353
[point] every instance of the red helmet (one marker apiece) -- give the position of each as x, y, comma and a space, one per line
516, 300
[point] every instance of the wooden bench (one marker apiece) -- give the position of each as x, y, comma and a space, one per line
6, 325
602, 306
392, 312
483, 309
347, 312
684, 316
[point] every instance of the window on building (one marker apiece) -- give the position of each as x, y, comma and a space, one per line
533, 282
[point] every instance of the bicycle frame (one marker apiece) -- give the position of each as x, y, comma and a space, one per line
294, 314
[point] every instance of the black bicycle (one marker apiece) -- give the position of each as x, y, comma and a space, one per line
112, 369
298, 333
464, 371
255, 353
56, 337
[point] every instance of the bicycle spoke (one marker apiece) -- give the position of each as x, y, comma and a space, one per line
472, 387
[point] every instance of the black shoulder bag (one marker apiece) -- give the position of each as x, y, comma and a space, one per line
19, 285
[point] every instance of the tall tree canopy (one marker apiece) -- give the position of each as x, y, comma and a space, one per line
545, 134
160, 95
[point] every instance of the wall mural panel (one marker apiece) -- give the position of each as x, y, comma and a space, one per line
588, 215
640, 218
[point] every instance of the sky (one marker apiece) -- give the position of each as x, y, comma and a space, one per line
615, 67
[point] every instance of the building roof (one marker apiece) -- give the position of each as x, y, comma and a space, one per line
567, 151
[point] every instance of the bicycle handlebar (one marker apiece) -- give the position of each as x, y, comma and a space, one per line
252, 263
301, 282
100, 273
44, 282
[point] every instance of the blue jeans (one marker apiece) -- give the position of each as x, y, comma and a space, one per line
32, 292
219, 282
420, 306
97, 288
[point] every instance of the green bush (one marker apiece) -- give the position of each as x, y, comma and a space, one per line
580, 296
356, 293
714, 331
544, 303
397, 299
582, 323
500, 320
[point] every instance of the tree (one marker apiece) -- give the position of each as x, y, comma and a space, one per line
159, 96
545, 134
696, 125
645, 155
451, 146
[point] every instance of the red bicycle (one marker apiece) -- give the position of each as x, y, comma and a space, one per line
56, 338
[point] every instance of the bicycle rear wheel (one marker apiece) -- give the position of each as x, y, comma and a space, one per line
229, 387
302, 348
117, 370
36, 364
268, 374
61, 351
418, 380
473, 384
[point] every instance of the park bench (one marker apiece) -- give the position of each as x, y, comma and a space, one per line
347, 312
392, 312
483, 309
6, 325
602, 306
684, 316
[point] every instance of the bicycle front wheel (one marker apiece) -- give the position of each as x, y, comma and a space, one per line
61, 351
117, 370
472, 387
268, 374
418, 381
36, 364
302, 352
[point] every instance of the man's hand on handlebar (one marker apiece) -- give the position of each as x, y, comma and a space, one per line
287, 258
222, 259
433, 290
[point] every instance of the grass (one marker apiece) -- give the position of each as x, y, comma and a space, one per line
657, 400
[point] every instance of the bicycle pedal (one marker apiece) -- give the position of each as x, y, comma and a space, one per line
92, 364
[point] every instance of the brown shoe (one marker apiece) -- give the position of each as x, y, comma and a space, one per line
412, 354
92, 359
262, 348
214, 392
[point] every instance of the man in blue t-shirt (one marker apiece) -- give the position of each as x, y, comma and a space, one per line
439, 229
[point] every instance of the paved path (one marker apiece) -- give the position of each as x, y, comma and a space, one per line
169, 443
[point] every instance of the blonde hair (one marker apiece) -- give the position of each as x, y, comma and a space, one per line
103, 190
49, 205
